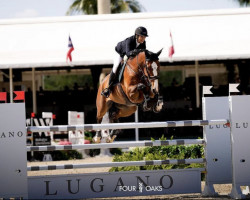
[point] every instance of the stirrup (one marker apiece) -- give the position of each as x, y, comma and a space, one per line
106, 92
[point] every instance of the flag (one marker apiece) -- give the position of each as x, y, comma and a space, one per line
3, 96
233, 87
20, 95
32, 115
171, 48
71, 48
207, 90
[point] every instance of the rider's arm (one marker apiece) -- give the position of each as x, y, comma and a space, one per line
133, 52
129, 47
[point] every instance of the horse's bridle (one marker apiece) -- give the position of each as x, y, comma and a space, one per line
141, 74
147, 77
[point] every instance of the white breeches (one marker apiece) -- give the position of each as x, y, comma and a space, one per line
117, 60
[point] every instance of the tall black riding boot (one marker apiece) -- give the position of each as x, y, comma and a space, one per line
106, 91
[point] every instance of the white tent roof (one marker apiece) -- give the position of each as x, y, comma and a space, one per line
197, 35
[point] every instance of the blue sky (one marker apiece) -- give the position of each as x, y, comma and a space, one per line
48, 8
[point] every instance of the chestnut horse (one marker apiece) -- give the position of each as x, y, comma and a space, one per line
139, 85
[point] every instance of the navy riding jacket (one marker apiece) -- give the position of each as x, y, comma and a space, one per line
126, 46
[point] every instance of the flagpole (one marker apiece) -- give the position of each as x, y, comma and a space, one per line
197, 84
136, 120
34, 91
11, 84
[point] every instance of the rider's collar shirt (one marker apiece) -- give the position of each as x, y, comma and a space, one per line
137, 44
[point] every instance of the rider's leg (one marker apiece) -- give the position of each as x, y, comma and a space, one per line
106, 91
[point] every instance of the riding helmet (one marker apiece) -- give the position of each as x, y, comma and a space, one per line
141, 31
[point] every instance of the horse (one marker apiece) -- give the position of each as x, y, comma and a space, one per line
139, 85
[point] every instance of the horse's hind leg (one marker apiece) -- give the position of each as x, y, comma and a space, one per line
98, 136
114, 132
113, 113
102, 108
105, 136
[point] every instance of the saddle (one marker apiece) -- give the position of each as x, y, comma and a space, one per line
121, 70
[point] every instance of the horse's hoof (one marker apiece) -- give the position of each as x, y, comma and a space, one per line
96, 139
158, 107
113, 138
145, 107
108, 140
155, 110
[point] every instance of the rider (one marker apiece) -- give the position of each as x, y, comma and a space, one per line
126, 47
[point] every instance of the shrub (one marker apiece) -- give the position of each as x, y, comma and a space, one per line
160, 153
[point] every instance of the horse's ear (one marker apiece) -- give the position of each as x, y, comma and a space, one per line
159, 52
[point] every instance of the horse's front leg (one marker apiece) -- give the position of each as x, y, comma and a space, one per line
152, 100
142, 87
146, 96
102, 108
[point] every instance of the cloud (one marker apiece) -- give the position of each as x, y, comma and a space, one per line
27, 13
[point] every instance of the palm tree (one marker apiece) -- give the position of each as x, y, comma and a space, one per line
244, 2
117, 6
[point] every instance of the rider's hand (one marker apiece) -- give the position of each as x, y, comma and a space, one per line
131, 53
134, 52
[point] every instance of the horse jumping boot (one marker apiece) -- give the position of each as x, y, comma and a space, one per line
158, 107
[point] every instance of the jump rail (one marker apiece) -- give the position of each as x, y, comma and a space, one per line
127, 125
117, 145
116, 164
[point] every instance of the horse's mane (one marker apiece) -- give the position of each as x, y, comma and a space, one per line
149, 54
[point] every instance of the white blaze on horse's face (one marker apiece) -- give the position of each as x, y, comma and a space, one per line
155, 73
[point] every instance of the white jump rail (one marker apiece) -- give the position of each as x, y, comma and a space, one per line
128, 125
117, 145
116, 164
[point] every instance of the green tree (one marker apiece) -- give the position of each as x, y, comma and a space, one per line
117, 6
244, 2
